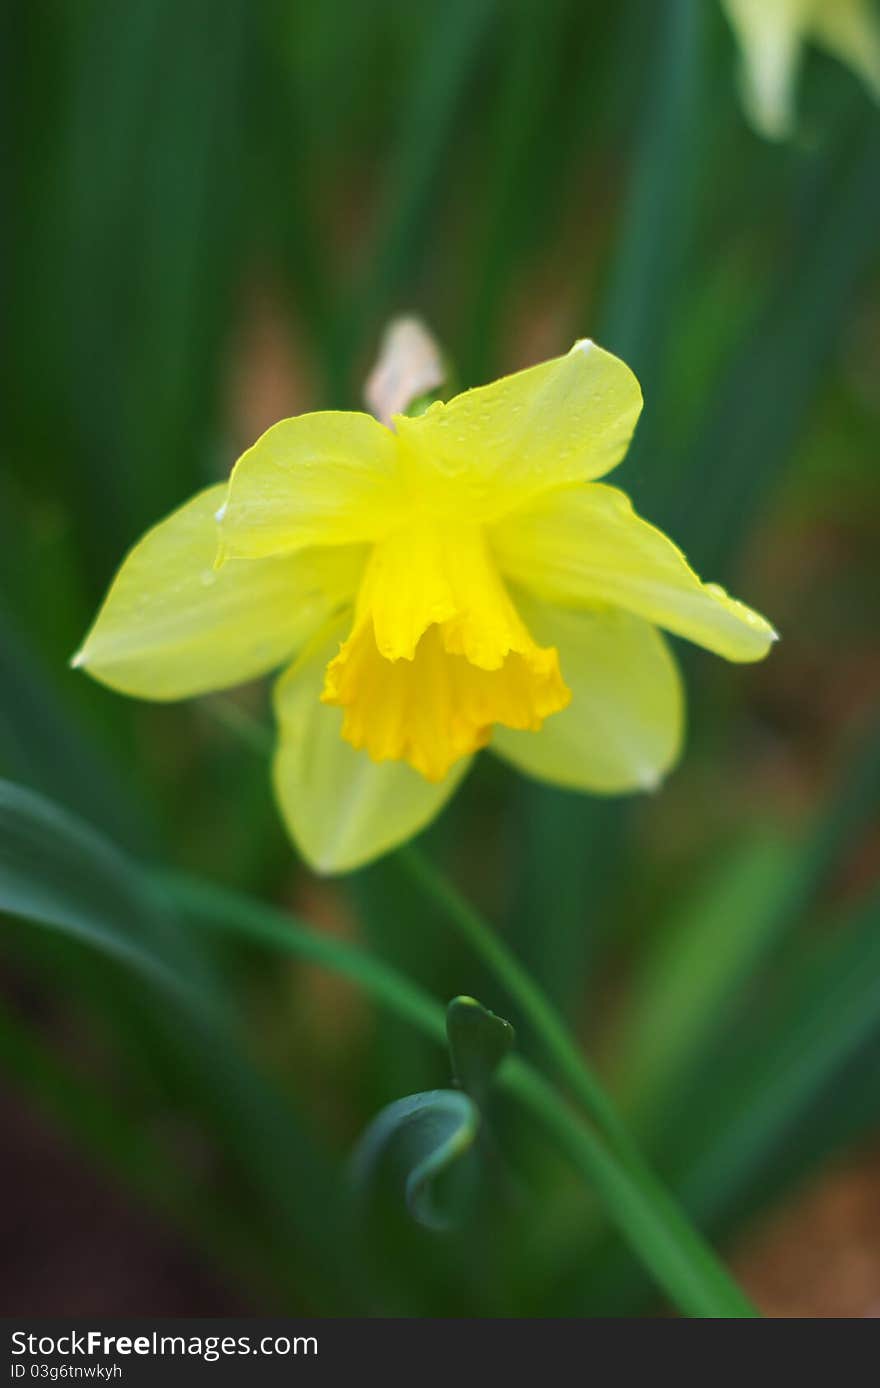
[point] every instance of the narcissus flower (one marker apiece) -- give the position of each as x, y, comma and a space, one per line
772, 35
459, 581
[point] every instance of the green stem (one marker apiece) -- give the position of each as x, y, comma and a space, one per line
682, 1263
672, 1249
250, 731
545, 1020
641, 1198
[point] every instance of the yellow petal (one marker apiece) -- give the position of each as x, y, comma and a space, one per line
622, 730
487, 450
327, 478
770, 34
850, 29
584, 546
341, 808
173, 625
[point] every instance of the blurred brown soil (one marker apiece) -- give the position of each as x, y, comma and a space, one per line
818, 1257
74, 1244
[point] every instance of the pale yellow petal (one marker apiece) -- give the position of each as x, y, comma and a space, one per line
173, 625
850, 29
487, 450
327, 478
342, 809
770, 34
622, 730
585, 546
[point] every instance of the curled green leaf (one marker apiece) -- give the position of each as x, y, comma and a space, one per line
411, 1145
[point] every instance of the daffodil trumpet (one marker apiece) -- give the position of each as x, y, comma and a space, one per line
457, 581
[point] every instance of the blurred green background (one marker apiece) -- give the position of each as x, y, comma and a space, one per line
212, 209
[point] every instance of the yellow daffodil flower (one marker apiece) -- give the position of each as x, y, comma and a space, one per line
459, 581
772, 35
